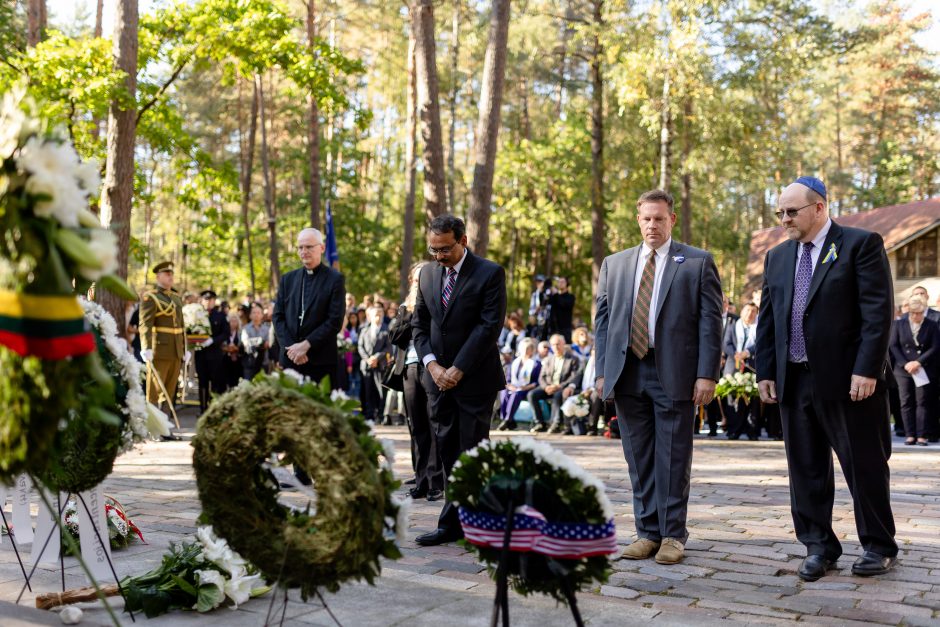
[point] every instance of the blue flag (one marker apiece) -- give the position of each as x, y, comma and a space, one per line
332, 252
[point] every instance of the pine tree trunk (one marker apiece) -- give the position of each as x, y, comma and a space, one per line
99, 12
491, 98
597, 153
268, 192
685, 219
665, 140
118, 195
247, 166
452, 137
313, 129
435, 189
411, 172
36, 21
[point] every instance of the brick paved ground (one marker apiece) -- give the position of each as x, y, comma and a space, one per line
740, 564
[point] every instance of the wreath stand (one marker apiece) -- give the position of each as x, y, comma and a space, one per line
501, 601
57, 512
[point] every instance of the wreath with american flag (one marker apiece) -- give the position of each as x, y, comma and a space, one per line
562, 528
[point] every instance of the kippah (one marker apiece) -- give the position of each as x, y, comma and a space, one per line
814, 184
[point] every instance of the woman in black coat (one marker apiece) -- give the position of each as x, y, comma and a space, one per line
914, 352
429, 473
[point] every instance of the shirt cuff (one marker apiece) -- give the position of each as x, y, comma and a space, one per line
428, 359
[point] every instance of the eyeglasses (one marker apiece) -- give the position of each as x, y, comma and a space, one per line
791, 213
440, 251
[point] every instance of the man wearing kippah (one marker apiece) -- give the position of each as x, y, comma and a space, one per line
162, 335
822, 344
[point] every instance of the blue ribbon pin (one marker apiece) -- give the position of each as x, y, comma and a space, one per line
831, 255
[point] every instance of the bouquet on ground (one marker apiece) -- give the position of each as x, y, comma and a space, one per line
737, 386
562, 524
121, 529
200, 575
196, 321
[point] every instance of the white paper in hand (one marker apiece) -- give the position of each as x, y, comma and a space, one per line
920, 378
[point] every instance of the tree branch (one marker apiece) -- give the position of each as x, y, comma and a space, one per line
162, 89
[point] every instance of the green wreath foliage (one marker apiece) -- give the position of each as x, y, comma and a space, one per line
91, 439
344, 535
484, 477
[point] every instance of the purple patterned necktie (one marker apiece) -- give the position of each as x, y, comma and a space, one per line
804, 276
448, 287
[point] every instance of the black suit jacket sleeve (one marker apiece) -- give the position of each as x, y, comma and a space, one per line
931, 342
876, 305
765, 345
486, 332
709, 322
323, 336
279, 315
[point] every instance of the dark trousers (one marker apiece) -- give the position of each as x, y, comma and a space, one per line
894, 402
713, 414
424, 457
460, 421
371, 396
860, 434
918, 405
210, 368
743, 418
539, 394
656, 434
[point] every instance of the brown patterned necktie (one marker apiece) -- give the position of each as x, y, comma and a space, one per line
639, 328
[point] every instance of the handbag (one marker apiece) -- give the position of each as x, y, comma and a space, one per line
391, 379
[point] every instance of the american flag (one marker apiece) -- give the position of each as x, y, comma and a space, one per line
531, 532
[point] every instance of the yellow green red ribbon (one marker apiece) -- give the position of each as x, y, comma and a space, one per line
48, 327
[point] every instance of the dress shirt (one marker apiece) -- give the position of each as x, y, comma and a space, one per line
661, 254
430, 356
556, 371
818, 243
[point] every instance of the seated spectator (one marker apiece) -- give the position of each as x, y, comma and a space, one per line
601, 411
542, 350
559, 371
515, 331
523, 378
581, 342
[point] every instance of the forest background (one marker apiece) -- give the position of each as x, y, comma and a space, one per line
225, 126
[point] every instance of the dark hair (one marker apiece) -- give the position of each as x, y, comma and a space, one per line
655, 195
257, 304
447, 223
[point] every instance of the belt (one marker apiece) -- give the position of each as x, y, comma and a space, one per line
799, 365
173, 330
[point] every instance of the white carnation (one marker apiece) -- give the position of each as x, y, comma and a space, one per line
103, 244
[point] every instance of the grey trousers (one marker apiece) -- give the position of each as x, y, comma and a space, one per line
656, 434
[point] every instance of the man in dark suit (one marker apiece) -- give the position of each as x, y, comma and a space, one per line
932, 424
822, 345
374, 350
459, 311
210, 365
308, 311
560, 371
664, 298
915, 347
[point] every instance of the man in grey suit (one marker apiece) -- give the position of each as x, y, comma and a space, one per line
658, 348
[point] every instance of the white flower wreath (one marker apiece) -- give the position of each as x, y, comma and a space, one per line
143, 420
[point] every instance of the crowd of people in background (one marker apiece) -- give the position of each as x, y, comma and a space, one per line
548, 357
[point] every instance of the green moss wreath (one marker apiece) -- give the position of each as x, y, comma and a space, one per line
355, 511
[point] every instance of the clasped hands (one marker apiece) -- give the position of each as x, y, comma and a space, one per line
444, 378
297, 353
860, 388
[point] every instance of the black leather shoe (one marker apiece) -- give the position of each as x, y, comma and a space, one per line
814, 567
418, 493
171, 438
435, 495
410, 481
438, 536
871, 563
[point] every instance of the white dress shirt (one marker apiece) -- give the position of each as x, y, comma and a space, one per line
661, 254
818, 243
430, 356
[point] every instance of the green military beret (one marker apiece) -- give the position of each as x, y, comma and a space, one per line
163, 266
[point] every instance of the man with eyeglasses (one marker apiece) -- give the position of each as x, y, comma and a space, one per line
822, 350
459, 312
308, 311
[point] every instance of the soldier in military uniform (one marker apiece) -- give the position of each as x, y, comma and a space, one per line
162, 334
210, 363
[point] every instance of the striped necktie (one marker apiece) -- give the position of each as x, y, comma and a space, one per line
448, 287
640, 327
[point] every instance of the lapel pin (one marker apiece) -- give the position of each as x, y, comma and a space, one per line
831, 255
678, 258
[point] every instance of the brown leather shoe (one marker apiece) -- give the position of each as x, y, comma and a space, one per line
640, 550
670, 552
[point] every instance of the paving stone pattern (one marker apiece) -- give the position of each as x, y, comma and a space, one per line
740, 563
